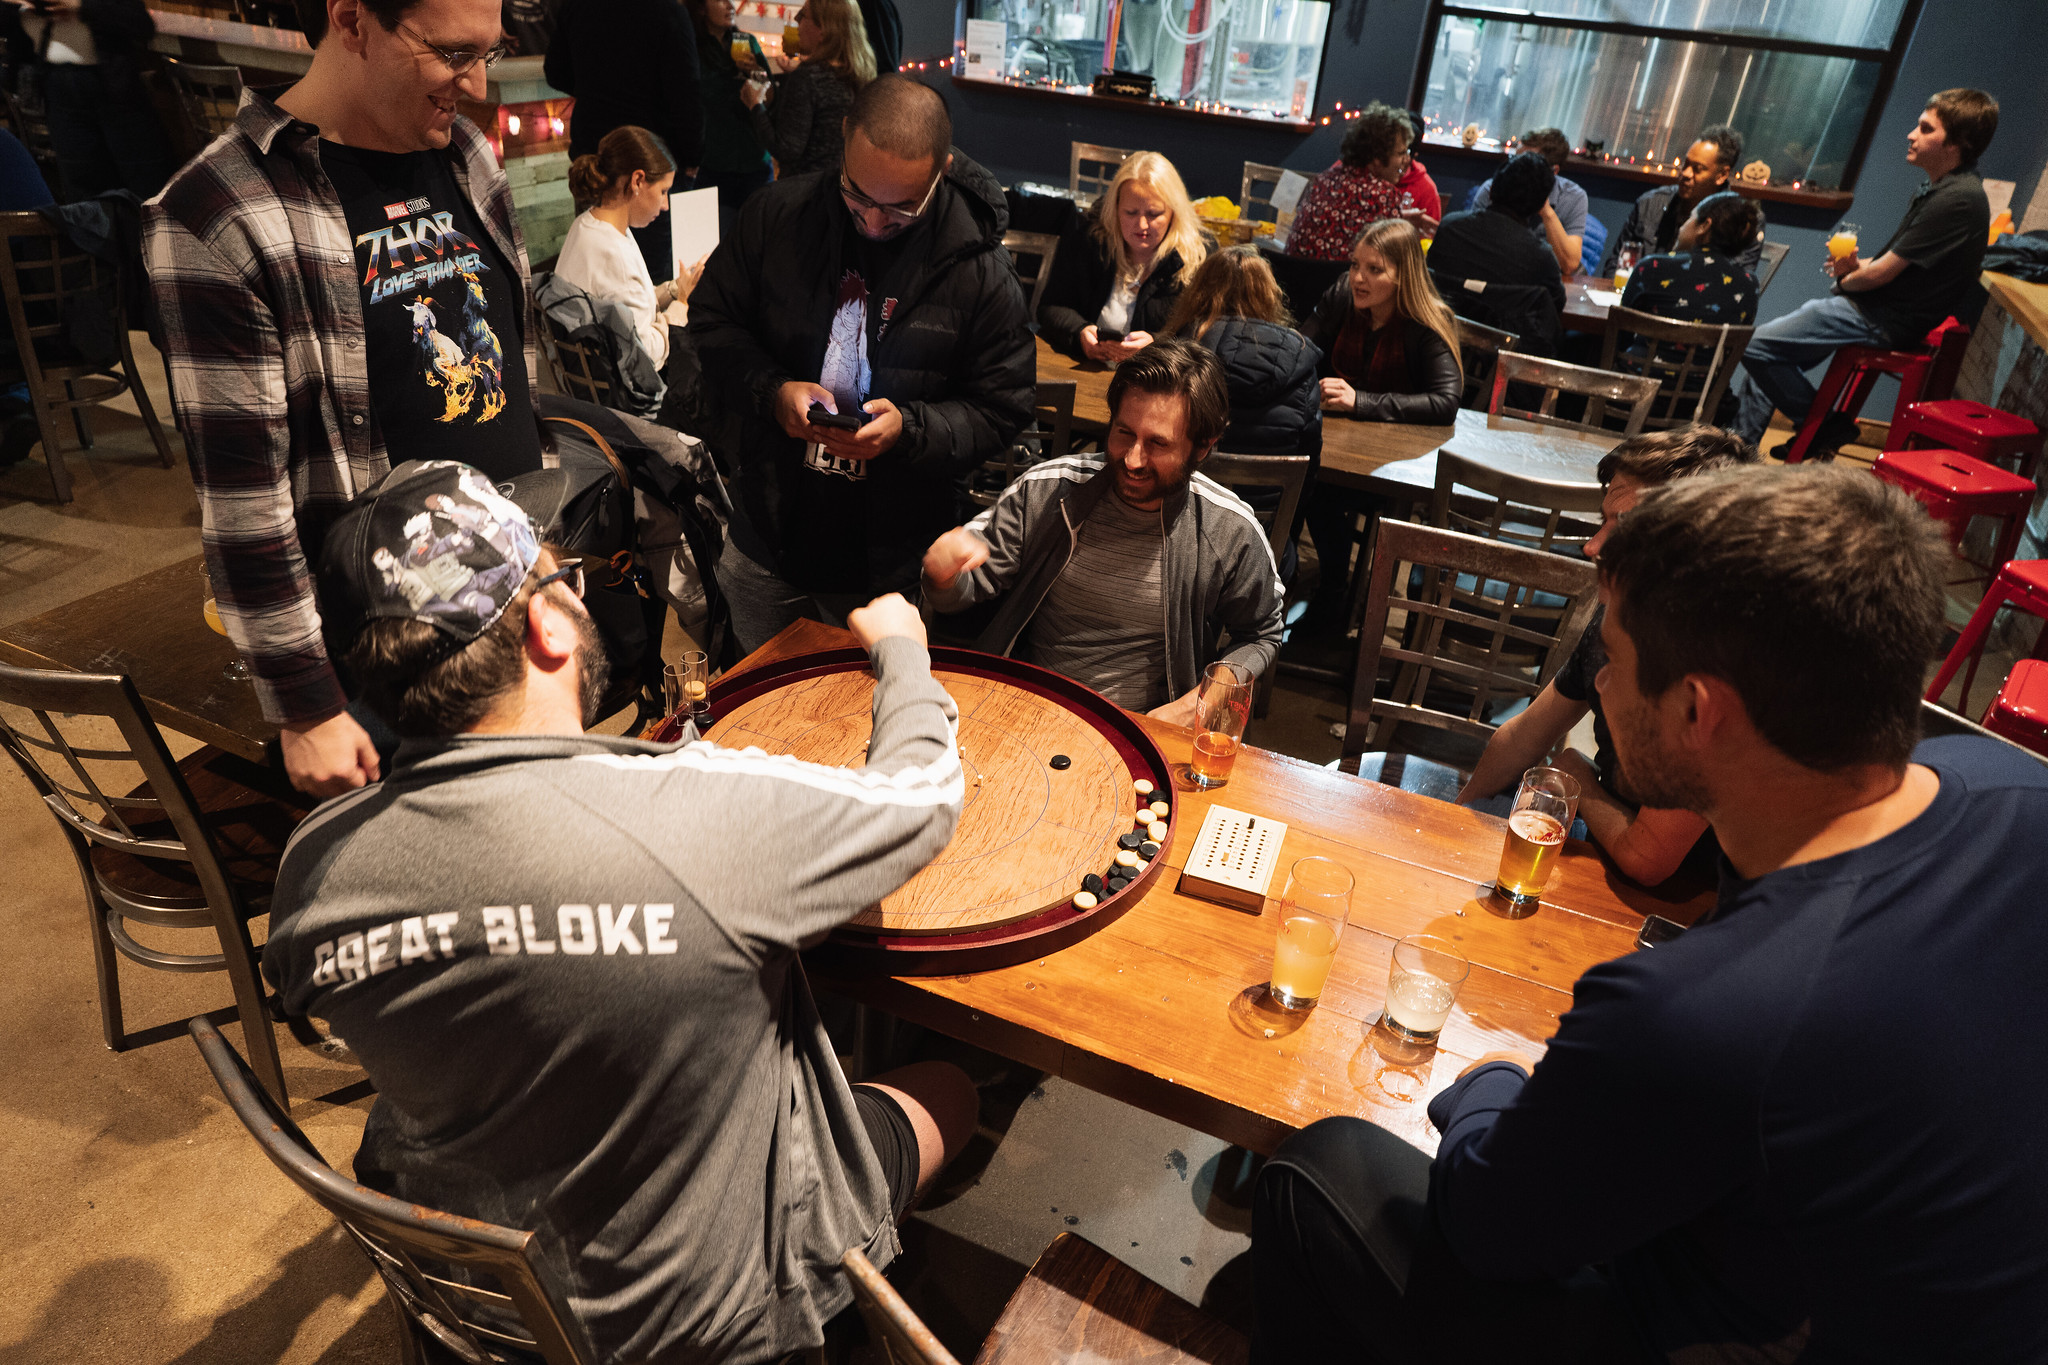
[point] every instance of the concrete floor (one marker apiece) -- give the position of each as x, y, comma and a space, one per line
142, 1225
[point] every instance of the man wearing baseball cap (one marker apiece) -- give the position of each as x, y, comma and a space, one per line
568, 961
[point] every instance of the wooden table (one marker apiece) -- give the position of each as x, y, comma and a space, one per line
1582, 312
1152, 1009
150, 628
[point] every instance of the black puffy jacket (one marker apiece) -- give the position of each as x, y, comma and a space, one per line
954, 354
1435, 382
1275, 400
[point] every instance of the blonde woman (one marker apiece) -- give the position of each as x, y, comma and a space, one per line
800, 127
1115, 280
1389, 342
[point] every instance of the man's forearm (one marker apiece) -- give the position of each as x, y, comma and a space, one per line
1513, 750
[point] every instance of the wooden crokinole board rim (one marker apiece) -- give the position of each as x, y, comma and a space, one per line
1052, 928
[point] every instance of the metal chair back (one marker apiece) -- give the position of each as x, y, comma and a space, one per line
583, 369
1692, 362
398, 1236
1288, 473
1091, 166
1481, 643
893, 1328
1047, 438
98, 801
1480, 348
1038, 248
209, 95
1261, 183
32, 126
43, 274
1767, 267
1600, 387
1532, 513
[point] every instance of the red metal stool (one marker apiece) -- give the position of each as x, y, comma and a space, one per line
2021, 583
2020, 710
1957, 424
1855, 370
1954, 488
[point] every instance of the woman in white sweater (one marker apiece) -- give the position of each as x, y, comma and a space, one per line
621, 186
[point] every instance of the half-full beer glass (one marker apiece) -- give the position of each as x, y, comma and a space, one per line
1224, 704
1545, 804
1313, 913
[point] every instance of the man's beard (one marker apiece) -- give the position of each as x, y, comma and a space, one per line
593, 666
1652, 774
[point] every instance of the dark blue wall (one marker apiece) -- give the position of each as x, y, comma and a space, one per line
1371, 54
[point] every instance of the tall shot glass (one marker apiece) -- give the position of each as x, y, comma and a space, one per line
1545, 805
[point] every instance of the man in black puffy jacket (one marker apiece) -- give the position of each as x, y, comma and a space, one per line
879, 294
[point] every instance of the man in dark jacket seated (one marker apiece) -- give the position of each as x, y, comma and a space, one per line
1478, 251
1741, 1145
879, 294
1126, 573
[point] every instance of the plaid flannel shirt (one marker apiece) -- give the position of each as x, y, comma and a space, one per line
254, 272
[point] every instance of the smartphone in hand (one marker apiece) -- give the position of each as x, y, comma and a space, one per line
821, 416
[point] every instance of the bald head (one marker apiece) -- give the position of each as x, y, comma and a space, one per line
905, 118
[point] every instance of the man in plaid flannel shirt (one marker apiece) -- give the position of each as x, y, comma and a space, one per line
301, 372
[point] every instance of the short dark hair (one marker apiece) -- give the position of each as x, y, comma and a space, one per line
1523, 185
1733, 221
1969, 118
427, 685
1815, 592
904, 118
1179, 367
1658, 457
1550, 143
1727, 144
1379, 131
313, 15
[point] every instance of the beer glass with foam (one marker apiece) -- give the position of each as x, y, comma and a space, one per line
1224, 703
1313, 913
1545, 804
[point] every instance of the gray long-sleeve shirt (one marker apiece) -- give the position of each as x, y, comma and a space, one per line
569, 964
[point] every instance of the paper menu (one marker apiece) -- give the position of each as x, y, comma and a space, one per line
692, 225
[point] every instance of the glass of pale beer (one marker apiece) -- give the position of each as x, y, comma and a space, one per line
1545, 805
684, 686
1422, 985
1224, 704
1313, 913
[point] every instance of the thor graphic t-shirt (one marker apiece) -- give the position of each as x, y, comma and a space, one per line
441, 314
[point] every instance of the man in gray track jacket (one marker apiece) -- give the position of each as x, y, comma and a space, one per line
568, 961
1126, 573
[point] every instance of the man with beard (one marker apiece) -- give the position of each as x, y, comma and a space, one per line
1125, 572
569, 961
1806, 1130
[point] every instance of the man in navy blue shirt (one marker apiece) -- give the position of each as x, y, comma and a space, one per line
1811, 1129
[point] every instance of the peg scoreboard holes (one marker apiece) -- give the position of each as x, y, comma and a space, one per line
1031, 830
1234, 859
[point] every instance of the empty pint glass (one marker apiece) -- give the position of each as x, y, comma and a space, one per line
1545, 805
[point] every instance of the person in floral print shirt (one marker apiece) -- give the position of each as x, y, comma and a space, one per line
1702, 281
1363, 186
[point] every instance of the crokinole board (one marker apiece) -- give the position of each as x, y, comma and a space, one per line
1003, 888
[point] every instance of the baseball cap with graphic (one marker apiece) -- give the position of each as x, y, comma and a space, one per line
434, 541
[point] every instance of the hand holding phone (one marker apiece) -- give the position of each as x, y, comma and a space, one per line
822, 416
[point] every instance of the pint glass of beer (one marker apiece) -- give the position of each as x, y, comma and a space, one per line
1224, 704
1545, 804
1313, 913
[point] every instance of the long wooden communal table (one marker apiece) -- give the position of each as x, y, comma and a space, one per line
1152, 1008
1583, 312
151, 629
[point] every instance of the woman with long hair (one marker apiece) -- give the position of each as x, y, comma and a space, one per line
728, 60
1389, 341
1234, 307
1116, 279
800, 126
623, 185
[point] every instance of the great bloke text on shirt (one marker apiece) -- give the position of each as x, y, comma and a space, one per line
579, 930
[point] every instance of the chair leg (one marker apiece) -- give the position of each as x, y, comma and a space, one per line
78, 419
142, 403
1970, 645
106, 958
53, 449
259, 1036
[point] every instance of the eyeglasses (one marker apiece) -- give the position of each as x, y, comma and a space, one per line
572, 577
893, 212
458, 59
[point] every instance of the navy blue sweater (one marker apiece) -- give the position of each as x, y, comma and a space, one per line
1822, 1112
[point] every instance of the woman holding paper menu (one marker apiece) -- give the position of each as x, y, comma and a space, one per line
622, 186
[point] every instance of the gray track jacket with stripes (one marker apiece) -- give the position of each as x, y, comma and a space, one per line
569, 965
1220, 577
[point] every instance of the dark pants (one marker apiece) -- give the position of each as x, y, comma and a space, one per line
1347, 1264
105, 133
734, 189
